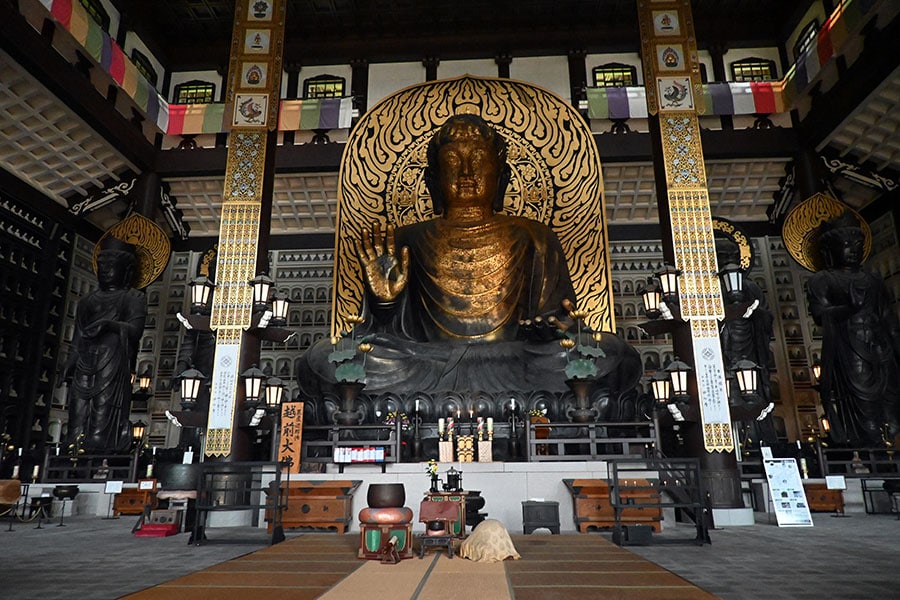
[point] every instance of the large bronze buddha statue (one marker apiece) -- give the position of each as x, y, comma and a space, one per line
471, 300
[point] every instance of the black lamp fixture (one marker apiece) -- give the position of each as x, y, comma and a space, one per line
145, 379
261, 284
137, 431
732, 277
280, 304
661, 387
253, 382
678, 375
274, 394
652, 296
668, 281
747, 374
191, 380
201, 294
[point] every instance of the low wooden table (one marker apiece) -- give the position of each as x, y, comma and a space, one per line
436, 541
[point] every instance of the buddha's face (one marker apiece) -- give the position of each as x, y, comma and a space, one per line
848, 249
114, 270
468, 168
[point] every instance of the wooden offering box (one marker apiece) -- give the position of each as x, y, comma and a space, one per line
819, 497
131, 501
593, 508
320, 504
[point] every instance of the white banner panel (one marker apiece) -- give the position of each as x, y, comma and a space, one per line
717, 435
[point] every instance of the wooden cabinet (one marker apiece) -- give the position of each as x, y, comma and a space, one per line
593, 507
131, 501
820, 498
319, 504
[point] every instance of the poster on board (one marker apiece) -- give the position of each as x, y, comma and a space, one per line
786, 491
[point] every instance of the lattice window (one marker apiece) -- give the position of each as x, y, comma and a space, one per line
144, 66
615, 75
807, 38
753, 69
324, 86
97, 12
195, 92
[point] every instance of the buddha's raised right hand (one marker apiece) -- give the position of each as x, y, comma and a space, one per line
385, 275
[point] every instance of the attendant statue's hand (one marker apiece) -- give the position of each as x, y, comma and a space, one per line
385, 275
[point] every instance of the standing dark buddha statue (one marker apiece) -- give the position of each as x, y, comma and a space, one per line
109, 323
860, 381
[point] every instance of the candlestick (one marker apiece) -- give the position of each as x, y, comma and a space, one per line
34, 472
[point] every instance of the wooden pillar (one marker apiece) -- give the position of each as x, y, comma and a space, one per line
672, 80
431, 64
503, 61
252, 102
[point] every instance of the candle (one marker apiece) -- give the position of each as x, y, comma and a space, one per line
450, 426
149, 470
15, 474
417, 405
440, 427
490, 424
57, 450
512, 403
20, 450
154, 450
35, 471
480, 428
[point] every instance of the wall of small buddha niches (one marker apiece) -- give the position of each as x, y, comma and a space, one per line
34, 264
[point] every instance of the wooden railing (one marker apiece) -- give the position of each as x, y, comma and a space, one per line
320, 441
590, 441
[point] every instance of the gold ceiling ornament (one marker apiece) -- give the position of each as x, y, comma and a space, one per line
556, 177
734, 233
801, 233
151, 244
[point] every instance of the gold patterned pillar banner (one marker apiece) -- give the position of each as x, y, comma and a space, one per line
669, 52
254, 85
672, 81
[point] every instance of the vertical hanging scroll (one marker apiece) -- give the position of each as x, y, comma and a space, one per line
252, 100
672, 80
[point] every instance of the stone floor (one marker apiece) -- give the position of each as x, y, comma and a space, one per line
91, 558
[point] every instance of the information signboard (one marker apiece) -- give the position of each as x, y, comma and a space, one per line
786, 491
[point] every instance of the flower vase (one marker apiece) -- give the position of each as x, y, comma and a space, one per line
349, 391
581, 389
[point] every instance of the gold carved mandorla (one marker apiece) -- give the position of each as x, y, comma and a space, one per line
800, 230
151, 243
556, 178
